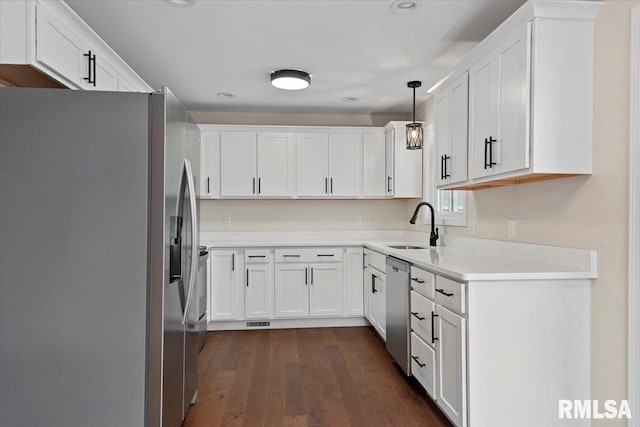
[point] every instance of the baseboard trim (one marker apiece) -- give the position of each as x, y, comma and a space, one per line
241, 325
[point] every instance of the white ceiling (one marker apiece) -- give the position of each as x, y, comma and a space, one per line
352, 48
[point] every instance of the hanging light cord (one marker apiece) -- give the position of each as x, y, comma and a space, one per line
414, 104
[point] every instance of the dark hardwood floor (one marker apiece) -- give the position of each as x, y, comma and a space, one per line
305, 377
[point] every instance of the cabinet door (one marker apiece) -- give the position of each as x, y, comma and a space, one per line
345, 165
381, 297
292, 290
225, 286
276, 164
210, 165
442, 134
258, 297
59, 49
106, 75
366, 277
482, 114
407, 169
373, 158
326, 296
389, 142
456, 162
511, 151
452, 362
313, 164
354, 284
237, 164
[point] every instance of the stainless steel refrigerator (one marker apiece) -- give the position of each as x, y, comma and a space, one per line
98, 258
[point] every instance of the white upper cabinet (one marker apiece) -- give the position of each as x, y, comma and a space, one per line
345, 165
374, 175
238, 164
276, 164
529, 119
51, 38
60, 49
210, 165
404, 167
451, 132
309, 162
313, 164
499, 105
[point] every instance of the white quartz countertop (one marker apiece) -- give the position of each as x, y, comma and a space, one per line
461, 258
471, 265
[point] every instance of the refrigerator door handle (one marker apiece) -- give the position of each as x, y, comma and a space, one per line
194, 233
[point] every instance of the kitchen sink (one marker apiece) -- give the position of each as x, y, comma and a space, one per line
406, 247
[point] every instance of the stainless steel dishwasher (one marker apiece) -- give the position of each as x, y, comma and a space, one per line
398, 323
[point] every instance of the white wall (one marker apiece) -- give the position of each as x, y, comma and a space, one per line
583, 212
301, 215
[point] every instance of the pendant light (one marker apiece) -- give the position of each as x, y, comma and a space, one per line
414, 130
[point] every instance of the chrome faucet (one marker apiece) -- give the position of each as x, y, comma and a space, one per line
433, 237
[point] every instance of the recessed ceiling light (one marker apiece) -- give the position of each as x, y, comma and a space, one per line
290, 79
405, 7
182, 2
349, 99
226, 95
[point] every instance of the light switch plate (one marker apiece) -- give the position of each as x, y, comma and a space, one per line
226, 221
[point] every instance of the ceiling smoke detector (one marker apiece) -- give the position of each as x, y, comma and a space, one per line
405, 7
290, 79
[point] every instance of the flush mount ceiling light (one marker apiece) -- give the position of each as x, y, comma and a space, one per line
414, 130
349, 99
290, 79
404, 7
225, 95
182, 2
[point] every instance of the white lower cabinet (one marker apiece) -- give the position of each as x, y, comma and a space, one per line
326, 290
225, 285
376, 300
258, 297
353, 285
438, 341
423, 364
292, 290
452, 361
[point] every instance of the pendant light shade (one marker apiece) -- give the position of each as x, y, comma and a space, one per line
414, 130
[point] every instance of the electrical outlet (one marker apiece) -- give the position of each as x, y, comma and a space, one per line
226, 221
471, 226
358, 220
511, 228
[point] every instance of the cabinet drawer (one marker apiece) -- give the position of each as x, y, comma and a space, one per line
422, 311
377, 261
258, 256
423, 282
309, 255
451, 294
423, 364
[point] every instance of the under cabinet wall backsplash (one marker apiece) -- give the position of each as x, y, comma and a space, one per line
300, 215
